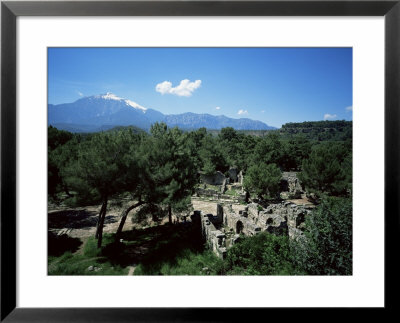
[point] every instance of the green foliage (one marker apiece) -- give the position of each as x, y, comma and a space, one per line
339, 130
263, 180
232, 192
56, 138
61, 149
328, 170
326, 248
78, 264
268, 150
169, 171
294, 151
212, 156
160, 169
194, 141
262, 254
188, 262
103, 162
244, 151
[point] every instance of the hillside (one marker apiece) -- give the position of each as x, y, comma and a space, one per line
319, 130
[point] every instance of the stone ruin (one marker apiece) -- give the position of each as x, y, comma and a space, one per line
221, 184
224, 229
290, 186
208, 224
234, 176
216, 179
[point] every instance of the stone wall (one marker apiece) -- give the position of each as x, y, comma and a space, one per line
215, 195
216, 179
223, 230
281, 218
210, 234
291, 186
206, 192
239, 222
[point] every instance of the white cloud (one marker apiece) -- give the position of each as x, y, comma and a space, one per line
80, 93
328, 116
262, 111
217, 108
185, 88
349, 108
243, 112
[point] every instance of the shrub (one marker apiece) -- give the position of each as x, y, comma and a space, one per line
264, 180
262, 254
328, 170
326, 248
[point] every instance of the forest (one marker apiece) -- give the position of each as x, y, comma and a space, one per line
155, 174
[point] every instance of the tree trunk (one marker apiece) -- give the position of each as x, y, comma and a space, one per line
123, 219
101, 224
169, 214
102, 210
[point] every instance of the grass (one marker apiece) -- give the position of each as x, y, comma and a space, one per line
174, 250
187, 262
209, 186
164, 249
170, 250
232, 192
79, 263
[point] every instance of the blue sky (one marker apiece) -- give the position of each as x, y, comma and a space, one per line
274, 85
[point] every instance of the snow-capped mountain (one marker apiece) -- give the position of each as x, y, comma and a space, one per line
111, 96
104, 111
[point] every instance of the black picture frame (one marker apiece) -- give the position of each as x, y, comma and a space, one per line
10, 10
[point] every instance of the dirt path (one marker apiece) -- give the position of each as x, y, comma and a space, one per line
80, 222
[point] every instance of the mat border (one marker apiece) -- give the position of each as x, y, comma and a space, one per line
10, 10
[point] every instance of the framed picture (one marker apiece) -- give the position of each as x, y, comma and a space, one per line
355, 46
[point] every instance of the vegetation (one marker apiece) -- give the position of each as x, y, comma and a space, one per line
262, 254
79, 263
327, 246
339, 130
264, 180
328, 170
157, 173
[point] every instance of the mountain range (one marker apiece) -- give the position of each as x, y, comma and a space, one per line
105, 111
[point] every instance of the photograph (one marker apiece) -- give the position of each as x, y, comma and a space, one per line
200, 161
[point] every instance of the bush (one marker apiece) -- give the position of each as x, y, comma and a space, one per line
187, 262
264, 180
78, 264
328, 170
326, 248
262, 254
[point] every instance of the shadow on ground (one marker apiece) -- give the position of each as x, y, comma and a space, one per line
59, 244
151, 247
73, 219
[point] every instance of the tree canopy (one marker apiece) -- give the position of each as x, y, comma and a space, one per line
161, 167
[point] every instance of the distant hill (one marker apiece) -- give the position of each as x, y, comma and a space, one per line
319, 130
194, 121
103, 112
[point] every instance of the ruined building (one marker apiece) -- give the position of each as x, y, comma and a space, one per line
223, 230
